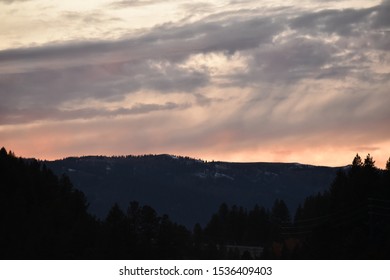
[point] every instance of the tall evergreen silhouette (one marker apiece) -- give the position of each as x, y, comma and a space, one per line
351, 220
41, 215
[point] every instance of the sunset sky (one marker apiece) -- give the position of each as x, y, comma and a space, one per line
239, 80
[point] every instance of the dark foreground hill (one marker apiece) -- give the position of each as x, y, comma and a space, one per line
186, 189
43, 216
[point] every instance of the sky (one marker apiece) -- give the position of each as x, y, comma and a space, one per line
233, 80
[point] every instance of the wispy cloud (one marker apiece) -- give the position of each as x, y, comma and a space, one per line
12, 1
237, 81
134, 3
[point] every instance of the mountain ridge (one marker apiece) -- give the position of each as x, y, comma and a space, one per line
189, 189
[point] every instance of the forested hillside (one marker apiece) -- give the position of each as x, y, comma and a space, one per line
350, 220
43, 216
187, 189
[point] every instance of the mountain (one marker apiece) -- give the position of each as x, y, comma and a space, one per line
187, 189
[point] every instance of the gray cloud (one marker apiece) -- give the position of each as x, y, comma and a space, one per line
306, 54
133, 3
342, 22
108, 82
169, 41
12, 1
293, 60
20, 116
198, 7
346, 22
90, 18
382, 18
109, 70
311, 75
289, 62
175, 43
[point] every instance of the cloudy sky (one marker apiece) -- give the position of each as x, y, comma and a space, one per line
238, 80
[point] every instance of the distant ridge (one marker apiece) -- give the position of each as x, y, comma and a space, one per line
188, 189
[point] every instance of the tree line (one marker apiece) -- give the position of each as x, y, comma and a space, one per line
44, 217
349, 221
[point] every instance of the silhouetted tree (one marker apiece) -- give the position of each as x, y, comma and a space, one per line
369, 162
357, 161
351, 220
280, 212
41, 216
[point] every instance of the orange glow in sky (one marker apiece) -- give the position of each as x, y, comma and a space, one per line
227, 80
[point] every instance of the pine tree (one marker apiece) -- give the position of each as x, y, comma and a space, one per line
357, 161
280, 211
369, 162
3, 152
115, 215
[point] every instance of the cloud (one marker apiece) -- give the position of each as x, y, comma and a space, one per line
50, 114
271, 56
198, 7
110, 70
342, 22
237, 82
133, 3
110, 82
12, 1
382, 17
168, 41
345, 22
90, 18
286, 62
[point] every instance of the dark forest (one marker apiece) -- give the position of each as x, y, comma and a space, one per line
43, 216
